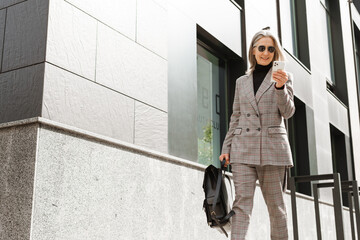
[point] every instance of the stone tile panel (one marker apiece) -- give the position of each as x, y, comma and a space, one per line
131, 69
151, 127
71, 39
152, 27
81, 103
119, 15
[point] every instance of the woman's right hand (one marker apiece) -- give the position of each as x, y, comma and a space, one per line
225, 156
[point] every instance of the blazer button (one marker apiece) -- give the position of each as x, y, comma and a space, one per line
259, 129
248, 114
257, 115
247, 129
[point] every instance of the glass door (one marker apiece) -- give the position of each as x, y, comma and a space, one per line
208, 98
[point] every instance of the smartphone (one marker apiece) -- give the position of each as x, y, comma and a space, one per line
277, 65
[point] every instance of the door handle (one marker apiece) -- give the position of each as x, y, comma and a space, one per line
217, 99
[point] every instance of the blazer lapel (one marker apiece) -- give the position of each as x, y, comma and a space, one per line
249, 92
264, 86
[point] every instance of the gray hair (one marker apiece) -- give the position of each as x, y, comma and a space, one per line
279, 51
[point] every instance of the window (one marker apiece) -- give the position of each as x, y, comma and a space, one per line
339, 156
334, 64
210, 74
300, 45
329, 67
298, 139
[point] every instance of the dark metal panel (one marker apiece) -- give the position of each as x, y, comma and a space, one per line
21, 93
25, 34
357, 4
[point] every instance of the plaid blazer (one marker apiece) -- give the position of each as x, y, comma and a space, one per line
257, 133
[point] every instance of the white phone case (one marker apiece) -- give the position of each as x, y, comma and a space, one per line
277, 65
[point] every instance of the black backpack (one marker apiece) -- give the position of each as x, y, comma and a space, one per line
217, 204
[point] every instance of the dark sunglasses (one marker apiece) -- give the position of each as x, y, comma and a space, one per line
262, 48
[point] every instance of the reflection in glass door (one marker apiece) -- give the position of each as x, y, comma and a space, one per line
208, 99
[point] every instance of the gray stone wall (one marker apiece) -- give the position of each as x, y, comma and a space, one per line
18, 147
59, 182
85, 189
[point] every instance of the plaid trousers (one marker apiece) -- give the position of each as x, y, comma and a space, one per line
272, 181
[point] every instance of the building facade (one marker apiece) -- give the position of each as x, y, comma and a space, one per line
111, 110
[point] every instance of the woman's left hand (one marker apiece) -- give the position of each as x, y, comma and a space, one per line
280, 77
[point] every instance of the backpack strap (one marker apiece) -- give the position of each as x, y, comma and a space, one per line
227, 217
231, 213
218, 185
218, 223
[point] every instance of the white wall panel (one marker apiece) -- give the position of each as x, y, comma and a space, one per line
220, 18
151, 128
162, 3
338, 114
131, 69
71, 40
118, 14
302, 81
152, 26
81, 103
322, 127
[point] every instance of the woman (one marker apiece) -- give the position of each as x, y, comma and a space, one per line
256, 144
